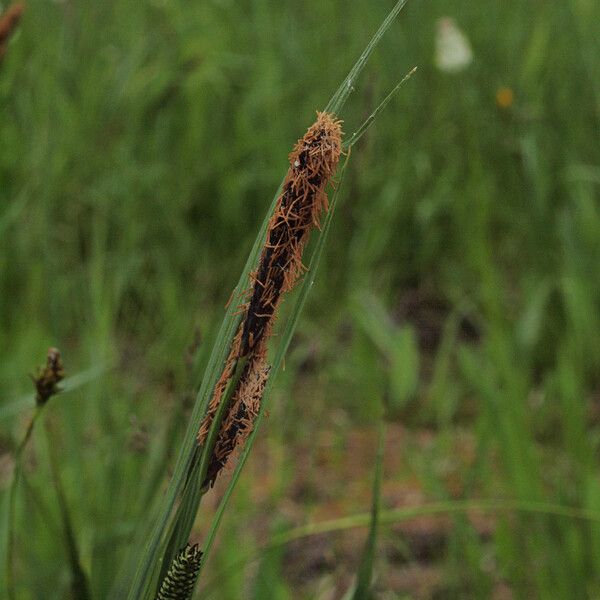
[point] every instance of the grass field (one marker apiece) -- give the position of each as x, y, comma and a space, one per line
140, 145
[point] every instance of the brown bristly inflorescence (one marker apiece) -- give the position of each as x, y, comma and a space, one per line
302, 201
48, 377
8, 23
239, 421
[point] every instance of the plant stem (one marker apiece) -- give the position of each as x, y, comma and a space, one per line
10, 545
79, 584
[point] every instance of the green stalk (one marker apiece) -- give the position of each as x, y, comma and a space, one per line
175, 514
194, 491
365, 573
292, 321
12, 501
79, 583
68, 384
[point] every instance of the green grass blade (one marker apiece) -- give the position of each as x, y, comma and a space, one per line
371, 118
335, 104
150, 562
402, 515
146, 577
286, 337
347, 87
79, 580
365, 573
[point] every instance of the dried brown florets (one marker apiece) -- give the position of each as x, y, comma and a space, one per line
220, 386
8, 23
303, 198
47, 378
239, 422
298, 209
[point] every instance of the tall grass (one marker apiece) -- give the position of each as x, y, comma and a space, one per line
467, 243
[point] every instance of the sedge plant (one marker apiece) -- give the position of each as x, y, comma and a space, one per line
240, 373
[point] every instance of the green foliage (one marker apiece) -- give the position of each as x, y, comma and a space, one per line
140, 144
363, 589
398, 347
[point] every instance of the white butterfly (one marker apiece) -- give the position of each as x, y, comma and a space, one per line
452, 48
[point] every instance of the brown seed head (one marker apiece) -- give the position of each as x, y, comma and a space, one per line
47, 378
303, 198
298, 209
239, 422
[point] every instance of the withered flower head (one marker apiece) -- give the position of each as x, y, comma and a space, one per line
303, 198
47, 378
298, 209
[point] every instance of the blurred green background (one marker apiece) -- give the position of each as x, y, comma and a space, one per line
140, 145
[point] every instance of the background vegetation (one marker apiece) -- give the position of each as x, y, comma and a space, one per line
141, 143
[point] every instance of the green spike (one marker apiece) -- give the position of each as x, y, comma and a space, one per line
180, 579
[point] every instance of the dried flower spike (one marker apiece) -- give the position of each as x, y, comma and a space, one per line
8, 23
180, 579
239, 421
47, 378
298, 209
303, 198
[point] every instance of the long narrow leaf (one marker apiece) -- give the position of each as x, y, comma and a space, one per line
293, 319
365, 573
347, 87
150, 562
164, 532
401, 515
286, 337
